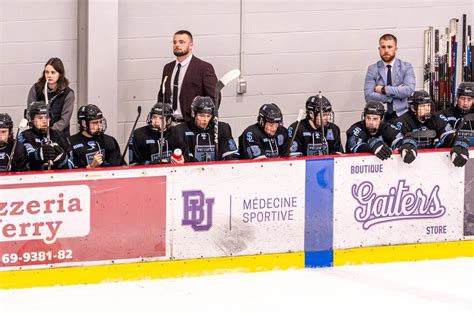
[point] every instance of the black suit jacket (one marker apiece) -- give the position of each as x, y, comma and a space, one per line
200, 80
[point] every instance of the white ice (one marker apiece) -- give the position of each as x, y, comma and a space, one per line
425, 287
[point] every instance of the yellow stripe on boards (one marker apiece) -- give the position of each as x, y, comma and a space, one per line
148, 270
407, 252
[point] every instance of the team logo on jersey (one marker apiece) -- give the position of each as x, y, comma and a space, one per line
3, 155
92, 145
290, 132
197, 210
294, 146
232, 145
280, 139
330, 135
254, 151
249, 136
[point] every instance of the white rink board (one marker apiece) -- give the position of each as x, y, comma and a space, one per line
257, 208
383, 202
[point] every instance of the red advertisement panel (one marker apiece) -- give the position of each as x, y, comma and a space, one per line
78, 221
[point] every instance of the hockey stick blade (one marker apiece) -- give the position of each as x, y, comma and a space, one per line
23, 123
163, 87
300, 114
226, 78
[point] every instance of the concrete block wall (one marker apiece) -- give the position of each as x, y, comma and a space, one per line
31, 32
291, 49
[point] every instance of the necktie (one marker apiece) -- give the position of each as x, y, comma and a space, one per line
389, 82
175, 88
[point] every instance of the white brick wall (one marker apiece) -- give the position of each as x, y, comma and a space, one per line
292, 49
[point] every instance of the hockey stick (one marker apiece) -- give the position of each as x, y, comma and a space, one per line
139, 110
437, 61
223, 81
471, 57
462, 121
426, 59
162, 135
464, 50
452, 78
48, 133
432, 60
323, 135
298, 120
23, 124
468, 55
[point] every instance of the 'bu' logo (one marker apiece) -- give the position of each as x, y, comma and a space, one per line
197, 210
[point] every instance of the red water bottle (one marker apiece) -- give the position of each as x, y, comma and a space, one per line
178, 156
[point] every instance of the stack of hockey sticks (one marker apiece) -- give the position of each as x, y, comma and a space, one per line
440, 62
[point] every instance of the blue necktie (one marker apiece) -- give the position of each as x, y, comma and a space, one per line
389, 82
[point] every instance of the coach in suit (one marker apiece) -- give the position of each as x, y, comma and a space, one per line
188, 77
390, 80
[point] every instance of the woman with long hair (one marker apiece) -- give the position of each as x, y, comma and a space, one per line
60, 96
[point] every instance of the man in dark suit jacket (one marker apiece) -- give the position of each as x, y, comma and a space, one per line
196, 77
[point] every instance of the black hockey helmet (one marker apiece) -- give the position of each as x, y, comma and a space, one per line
6, 122
418, 98
374, 108
87, 113
465, 89
161, 109
202, 104
312, 104
34, 109
269, 113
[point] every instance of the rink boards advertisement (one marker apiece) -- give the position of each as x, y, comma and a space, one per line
151, 214
78, 221
390, 202
243, 209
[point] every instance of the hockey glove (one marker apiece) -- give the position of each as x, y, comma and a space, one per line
379, 148
47, 153
61, 156
459, 154
408, 152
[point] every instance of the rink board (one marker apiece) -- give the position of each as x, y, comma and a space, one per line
386, 211
389, 202
161, 221
235, 210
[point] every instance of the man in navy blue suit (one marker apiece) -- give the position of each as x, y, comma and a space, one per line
390, 80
